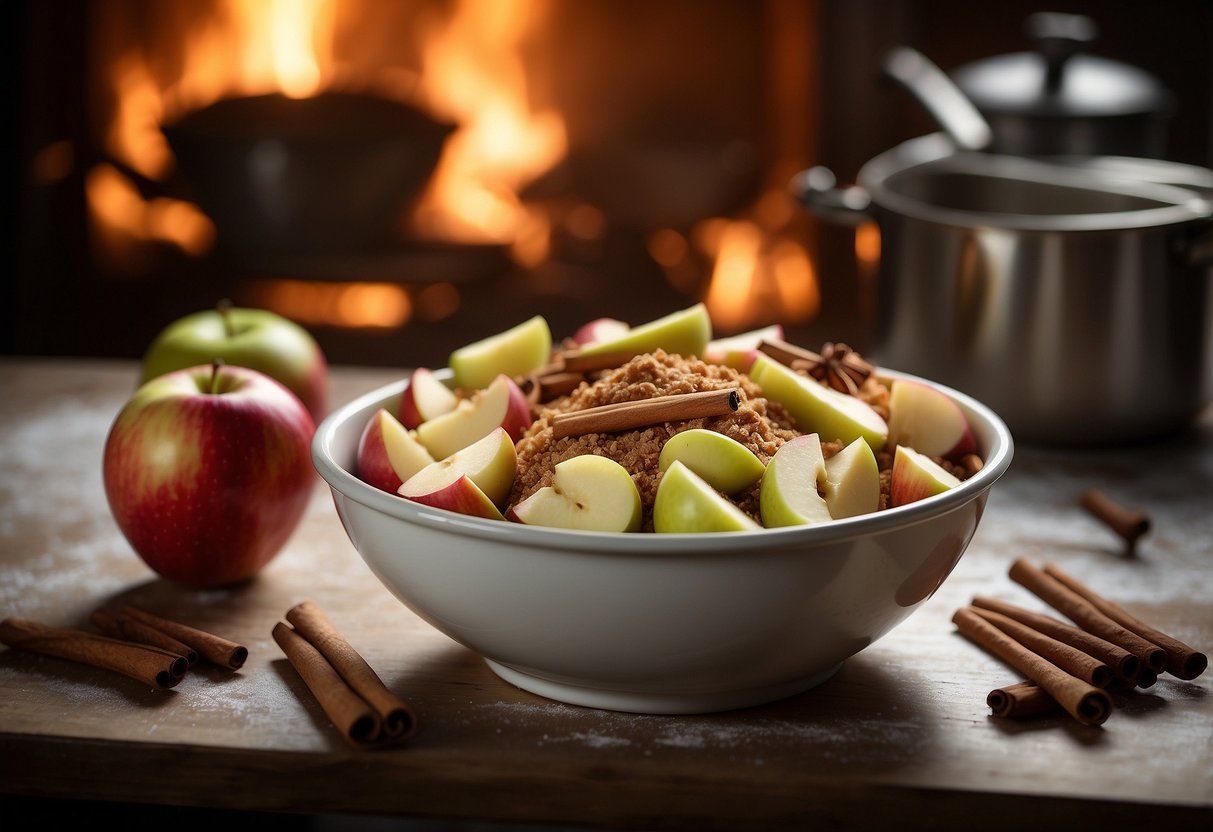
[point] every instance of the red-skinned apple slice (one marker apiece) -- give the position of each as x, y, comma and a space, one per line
388, 454
852, 484
916, 477
588, 492
790, 494
500, 405
474, 480
928, 421
600, 329
425, 398
739, 351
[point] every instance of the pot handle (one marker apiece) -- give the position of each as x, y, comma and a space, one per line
816, 189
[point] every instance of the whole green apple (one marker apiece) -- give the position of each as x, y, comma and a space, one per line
208, 471
255, 338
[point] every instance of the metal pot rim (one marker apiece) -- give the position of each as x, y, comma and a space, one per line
1178, 204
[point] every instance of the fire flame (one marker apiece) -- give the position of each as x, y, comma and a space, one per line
470, 74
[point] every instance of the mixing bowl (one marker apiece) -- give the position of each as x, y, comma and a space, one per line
657, 623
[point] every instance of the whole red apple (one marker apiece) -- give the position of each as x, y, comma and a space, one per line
208, 472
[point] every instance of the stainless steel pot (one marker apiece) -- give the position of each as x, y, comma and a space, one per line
1074, 296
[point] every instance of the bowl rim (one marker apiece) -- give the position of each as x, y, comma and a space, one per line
997, 456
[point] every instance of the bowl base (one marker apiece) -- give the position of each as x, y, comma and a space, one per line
656, 702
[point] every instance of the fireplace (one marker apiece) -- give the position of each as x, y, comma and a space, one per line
597, 158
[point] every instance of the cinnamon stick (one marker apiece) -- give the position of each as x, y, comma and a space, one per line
1182, 661
1129, 523
549, 386
150, 665
1085, 614
622, 416
1122, 663
350, 713
573, 361
311, 623
128, 629
1070, 659
213, 648
788, 354
1021, 699
1085, 702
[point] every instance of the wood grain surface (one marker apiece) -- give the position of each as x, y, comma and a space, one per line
900, 736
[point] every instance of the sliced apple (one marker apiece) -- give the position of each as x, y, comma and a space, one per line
600, 329
685, 332
425, 398
739, 351
588, 492
927, 420
500, 405
686, 503
852, 485
725, 463
916, 476
388, 454
472, 480
817, 408
791, 487
514, 352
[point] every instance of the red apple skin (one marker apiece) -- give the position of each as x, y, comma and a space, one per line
599, 329
410, 412
207, 487
374, 465
461, 496
518, 415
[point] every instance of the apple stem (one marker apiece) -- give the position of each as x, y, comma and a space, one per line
216, 366
225, 308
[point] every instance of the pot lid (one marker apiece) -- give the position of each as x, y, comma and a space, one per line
1057, 80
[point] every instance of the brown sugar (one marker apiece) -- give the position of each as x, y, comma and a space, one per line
760, 425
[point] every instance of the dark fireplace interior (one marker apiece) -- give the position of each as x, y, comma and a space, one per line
403, 177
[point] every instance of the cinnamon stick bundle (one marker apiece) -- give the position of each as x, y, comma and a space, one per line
1070, 659
1021, 699
611, 418
1182, 661
1085, 702
150, 665
128, 629
347, 688
215, 649
1085, 614
1122, 663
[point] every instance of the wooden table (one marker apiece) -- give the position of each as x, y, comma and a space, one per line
901, 735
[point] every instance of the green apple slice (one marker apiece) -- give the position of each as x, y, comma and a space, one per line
588, 492
685, 332
514, 352
852, 485
686, 503
916, 476
725, 463
817, 408
790, 493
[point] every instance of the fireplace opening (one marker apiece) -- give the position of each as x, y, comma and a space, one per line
401, 177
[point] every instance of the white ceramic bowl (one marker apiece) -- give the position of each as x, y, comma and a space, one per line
657, 623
